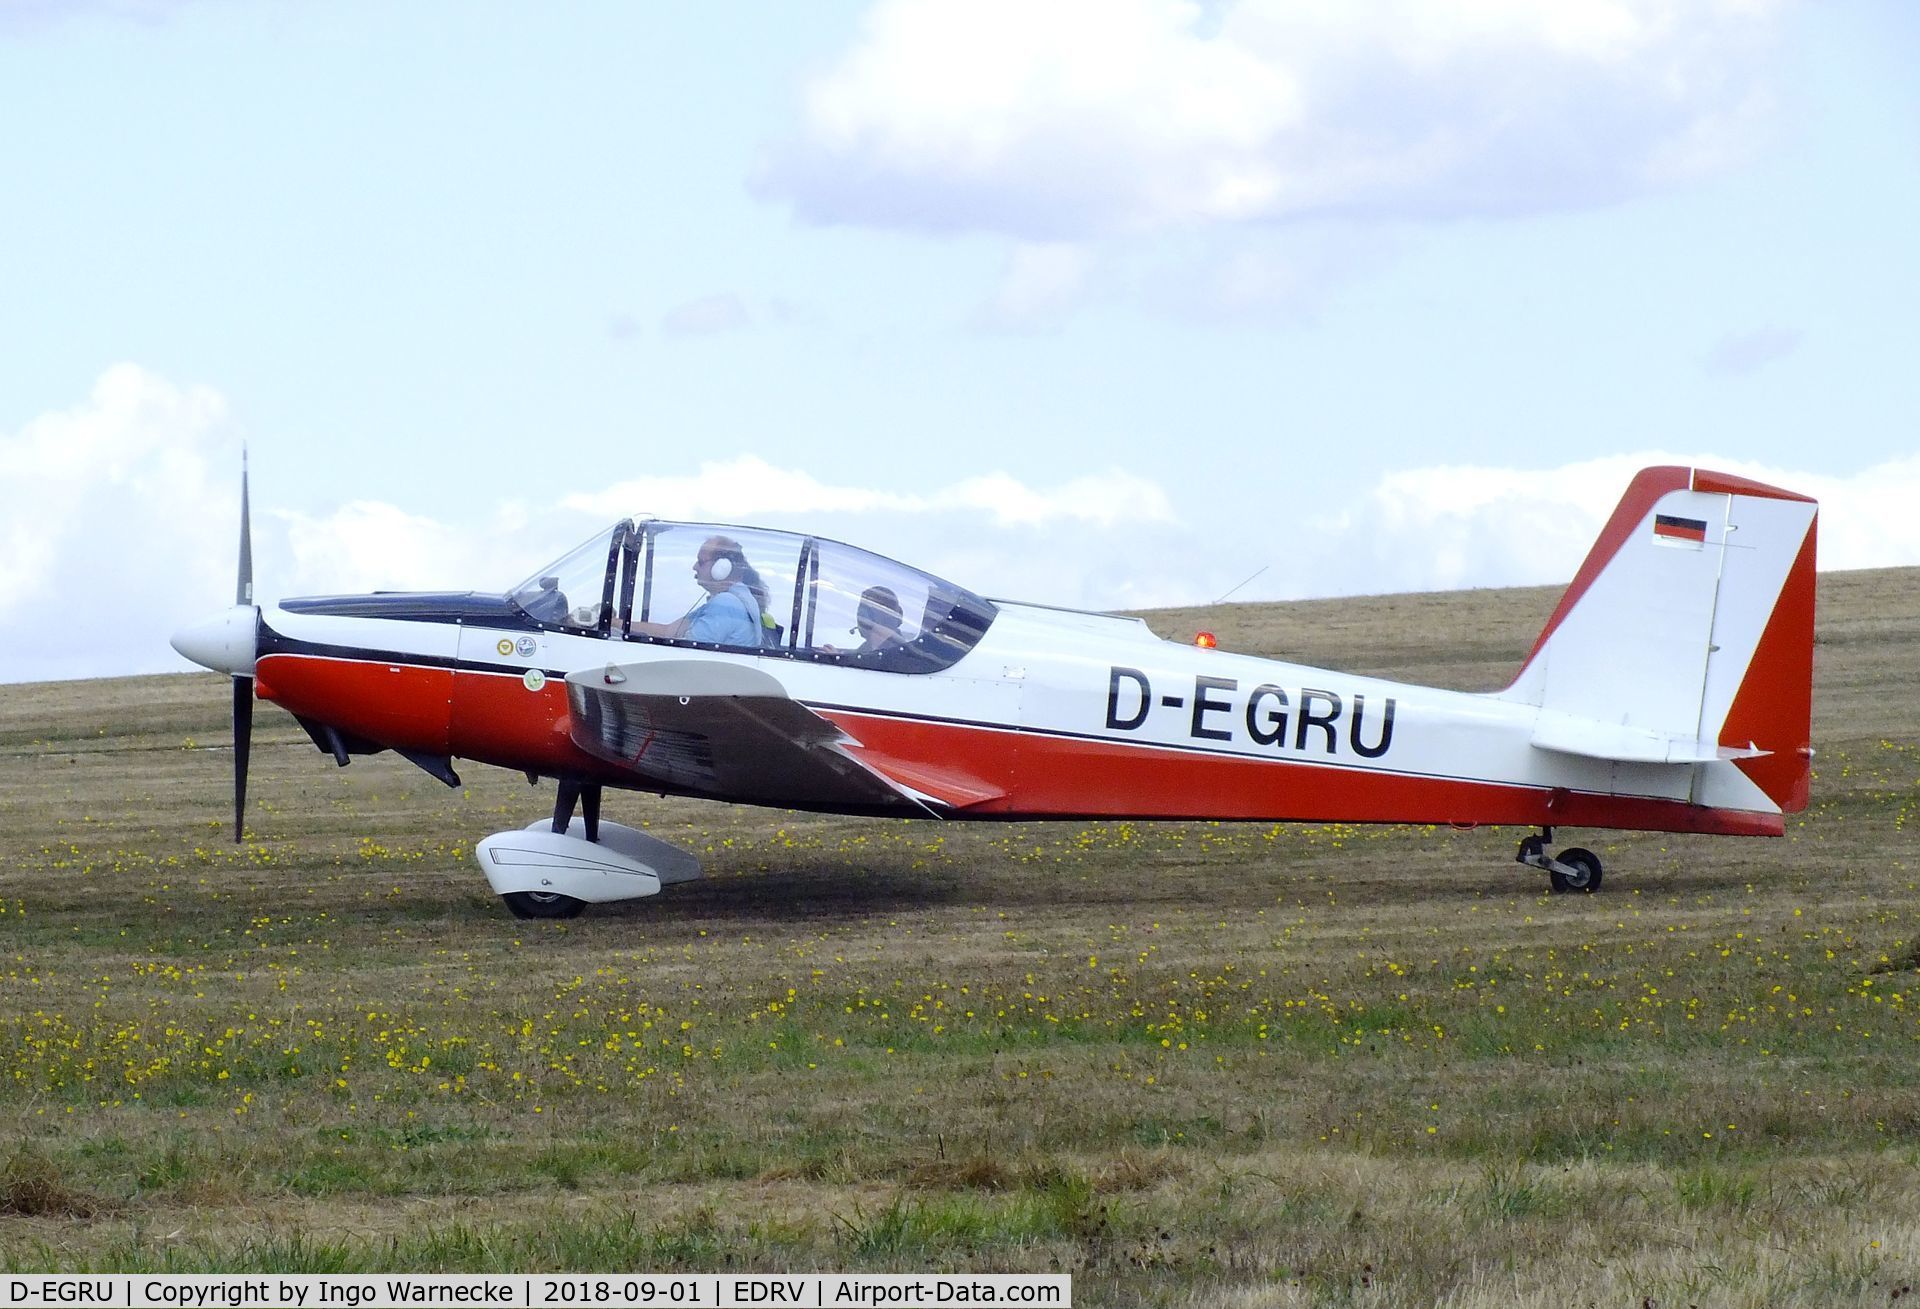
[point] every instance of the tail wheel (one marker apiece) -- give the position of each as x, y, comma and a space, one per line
1585, 875
542, 904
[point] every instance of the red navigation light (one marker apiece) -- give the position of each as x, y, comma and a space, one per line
1205, 640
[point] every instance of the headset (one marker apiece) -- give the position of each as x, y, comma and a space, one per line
720, 569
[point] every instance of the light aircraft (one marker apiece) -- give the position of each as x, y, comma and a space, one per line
1671, 690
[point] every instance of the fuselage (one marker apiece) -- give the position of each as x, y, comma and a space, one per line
1050, 714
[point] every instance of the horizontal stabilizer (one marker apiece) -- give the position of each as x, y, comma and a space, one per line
1567, 734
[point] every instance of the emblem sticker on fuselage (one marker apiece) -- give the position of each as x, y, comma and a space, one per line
526, 647
506, 646
534, 680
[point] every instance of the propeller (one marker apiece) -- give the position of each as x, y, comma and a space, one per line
243, 590
229, 642
242, 682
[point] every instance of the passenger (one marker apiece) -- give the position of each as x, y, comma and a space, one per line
877, 623
736, 599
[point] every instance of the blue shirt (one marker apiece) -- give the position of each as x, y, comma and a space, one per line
731, 617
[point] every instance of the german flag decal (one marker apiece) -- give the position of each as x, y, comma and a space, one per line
1680, 531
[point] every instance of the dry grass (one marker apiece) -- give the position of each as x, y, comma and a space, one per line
1194, 1063
30, 1187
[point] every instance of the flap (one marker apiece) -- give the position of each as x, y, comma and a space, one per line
953, 787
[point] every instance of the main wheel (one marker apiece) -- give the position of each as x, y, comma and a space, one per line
542, 904
1586, 871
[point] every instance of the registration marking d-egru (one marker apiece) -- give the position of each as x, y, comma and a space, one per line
1265, 715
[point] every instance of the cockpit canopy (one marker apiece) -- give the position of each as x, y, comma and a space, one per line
812, 598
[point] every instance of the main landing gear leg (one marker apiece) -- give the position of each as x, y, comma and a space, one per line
577, 794
1573, 869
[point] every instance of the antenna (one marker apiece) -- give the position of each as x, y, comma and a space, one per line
1249, 577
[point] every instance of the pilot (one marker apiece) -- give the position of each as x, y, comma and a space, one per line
736, 598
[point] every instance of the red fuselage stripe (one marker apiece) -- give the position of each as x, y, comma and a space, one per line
1065, 776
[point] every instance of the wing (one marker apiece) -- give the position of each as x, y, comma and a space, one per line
725, 730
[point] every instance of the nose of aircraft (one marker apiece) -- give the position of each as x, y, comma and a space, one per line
226, 642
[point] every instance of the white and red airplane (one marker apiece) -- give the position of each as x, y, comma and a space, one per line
1670, 691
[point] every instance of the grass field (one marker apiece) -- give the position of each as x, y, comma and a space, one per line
1193, 1064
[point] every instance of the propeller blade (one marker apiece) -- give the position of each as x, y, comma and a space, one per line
243, 589
242, 749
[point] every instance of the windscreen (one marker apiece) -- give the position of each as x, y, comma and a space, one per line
572, 591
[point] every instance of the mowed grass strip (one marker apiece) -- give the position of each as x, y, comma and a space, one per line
1192, 1063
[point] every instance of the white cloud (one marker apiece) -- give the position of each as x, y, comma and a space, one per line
123, 512
111, 507
1106, 541
369, 545
1443, 527
366, 545
1090, 117
121, 523
739, 489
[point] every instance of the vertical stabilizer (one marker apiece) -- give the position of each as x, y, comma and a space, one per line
1687, 635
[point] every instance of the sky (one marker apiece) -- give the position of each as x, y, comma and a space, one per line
1107, 303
